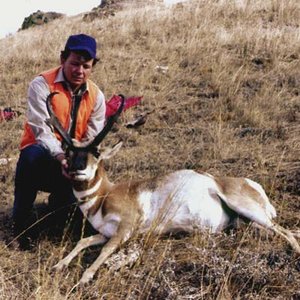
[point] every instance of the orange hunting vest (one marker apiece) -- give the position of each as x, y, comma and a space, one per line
62, 106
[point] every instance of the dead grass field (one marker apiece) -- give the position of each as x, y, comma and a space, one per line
228, 102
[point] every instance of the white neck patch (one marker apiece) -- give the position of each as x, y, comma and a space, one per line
83, 194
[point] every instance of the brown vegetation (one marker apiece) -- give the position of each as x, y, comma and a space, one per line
222, 80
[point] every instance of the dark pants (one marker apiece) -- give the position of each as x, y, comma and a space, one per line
37, 171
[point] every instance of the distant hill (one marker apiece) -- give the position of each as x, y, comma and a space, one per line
104, 9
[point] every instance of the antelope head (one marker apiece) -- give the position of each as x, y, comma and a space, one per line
83, 158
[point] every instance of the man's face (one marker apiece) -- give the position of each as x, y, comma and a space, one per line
77, 69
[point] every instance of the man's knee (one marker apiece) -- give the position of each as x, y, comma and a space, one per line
33, 155
32, 161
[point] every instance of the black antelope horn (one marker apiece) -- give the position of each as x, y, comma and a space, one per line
53, 121
109, 124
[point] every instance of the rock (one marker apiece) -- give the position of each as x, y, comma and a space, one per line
105, 9
40, 18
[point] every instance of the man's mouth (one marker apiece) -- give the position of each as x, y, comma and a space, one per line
77, 78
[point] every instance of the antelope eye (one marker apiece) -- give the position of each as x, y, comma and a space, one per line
96, 153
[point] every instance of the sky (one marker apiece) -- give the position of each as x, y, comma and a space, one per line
13, 13
171, 2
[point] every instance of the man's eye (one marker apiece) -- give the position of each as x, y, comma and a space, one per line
75, 64
87, 67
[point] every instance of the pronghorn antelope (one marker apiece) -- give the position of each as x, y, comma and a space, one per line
181, 200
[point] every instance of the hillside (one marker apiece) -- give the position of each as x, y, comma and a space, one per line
221, 83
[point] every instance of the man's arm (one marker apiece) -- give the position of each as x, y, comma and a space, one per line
37, 114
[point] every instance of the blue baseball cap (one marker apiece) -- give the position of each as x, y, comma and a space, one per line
82, 42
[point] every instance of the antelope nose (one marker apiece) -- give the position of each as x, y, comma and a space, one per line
76, 167
80, 164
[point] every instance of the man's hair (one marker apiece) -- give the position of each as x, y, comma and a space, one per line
66, 53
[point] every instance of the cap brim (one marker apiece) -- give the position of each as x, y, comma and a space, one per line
82, 48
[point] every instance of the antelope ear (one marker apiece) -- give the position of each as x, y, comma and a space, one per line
108, 153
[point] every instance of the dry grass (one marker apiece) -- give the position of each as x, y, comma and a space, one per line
228, 104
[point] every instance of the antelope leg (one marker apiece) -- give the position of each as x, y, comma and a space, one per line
288, 235
121, 237
97, 239
296, 233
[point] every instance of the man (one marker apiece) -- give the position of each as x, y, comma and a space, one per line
80, 107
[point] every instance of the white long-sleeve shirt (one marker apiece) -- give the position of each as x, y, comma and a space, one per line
37, 114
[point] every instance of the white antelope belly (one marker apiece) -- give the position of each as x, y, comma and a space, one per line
184, 200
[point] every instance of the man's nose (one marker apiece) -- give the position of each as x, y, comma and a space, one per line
79, 69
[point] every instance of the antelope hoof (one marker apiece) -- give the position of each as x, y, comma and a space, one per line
59, 266
86, 278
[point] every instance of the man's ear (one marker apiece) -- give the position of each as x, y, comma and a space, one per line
109, 152
62, 59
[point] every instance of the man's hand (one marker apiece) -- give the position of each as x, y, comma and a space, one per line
64, 164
